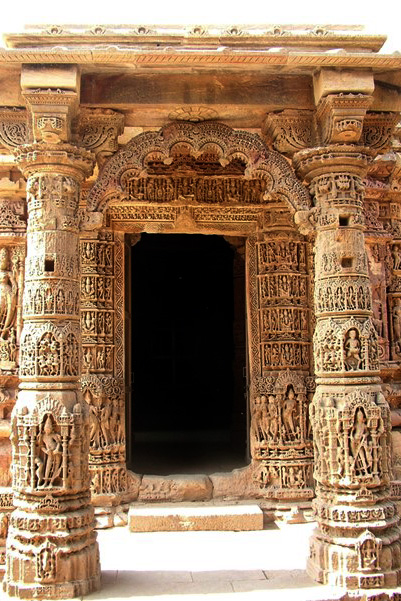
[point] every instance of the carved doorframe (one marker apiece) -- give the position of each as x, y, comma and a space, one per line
133, 200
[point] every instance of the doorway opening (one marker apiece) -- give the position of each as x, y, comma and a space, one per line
188, 408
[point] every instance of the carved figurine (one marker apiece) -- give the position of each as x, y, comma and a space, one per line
48, 471
273, 417
396, 257
352, 350
288, 412
360, 451
396, 314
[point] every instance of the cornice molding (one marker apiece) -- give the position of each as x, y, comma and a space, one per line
235, 35
181, 57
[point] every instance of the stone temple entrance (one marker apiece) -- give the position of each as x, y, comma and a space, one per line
189, 410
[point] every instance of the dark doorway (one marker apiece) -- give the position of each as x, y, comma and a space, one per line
188, 409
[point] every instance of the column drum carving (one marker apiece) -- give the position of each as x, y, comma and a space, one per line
357, 540
51, 546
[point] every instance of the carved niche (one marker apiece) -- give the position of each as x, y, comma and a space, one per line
346, 346
281, 436
352, 444
105, 398
49, 447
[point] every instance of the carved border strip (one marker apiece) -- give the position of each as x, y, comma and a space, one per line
119, 303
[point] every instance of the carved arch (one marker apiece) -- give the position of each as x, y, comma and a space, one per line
225, 142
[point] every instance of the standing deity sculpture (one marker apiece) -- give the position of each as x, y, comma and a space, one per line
396, 318
8, 294
49, 465
289, 407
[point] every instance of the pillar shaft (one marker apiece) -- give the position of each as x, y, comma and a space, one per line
51, 548
356, 542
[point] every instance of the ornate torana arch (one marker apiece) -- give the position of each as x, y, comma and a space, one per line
196, 139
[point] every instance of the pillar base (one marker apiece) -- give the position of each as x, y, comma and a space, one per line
68, 590
52, 555
358, 555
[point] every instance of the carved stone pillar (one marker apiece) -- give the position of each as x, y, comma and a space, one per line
357, 540
51, 548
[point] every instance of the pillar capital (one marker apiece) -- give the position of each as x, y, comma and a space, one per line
334, 158
49, 157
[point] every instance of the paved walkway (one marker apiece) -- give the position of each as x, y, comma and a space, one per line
225, 566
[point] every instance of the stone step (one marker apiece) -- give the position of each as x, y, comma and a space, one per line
179, 517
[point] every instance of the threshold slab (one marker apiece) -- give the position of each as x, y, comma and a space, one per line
177, 517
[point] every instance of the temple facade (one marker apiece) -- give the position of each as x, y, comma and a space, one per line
170, 161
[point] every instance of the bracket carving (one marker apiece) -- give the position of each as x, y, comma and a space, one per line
51, 113
14, 129
340, 117
98, 130
289, 131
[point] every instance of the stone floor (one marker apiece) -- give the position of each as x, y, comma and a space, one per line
226, 566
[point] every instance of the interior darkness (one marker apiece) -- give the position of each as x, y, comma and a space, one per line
183, 354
